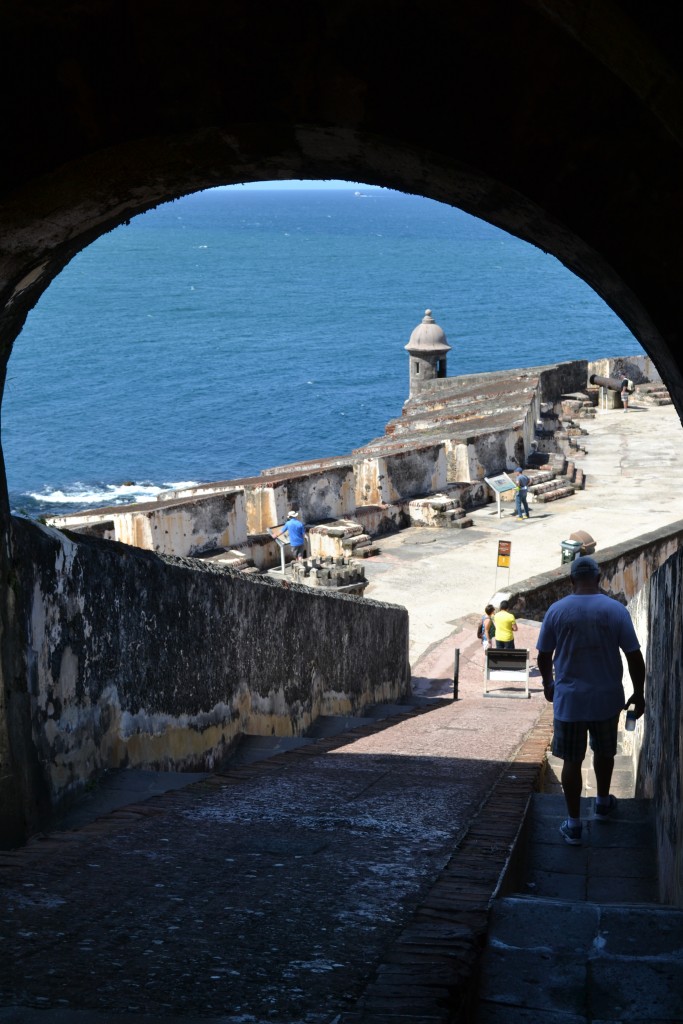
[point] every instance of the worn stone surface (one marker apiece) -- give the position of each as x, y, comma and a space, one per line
347, 875
140, 659
661, 757
587, 167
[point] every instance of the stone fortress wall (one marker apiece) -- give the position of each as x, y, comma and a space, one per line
137, 659
433, 459
153, 652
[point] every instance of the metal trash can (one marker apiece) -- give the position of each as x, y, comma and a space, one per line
570, 550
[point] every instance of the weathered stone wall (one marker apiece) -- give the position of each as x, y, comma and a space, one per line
660, 758
460, 431
186, 528
626, 570
409, 473
637, 368
134, 658
327, 494
562, 379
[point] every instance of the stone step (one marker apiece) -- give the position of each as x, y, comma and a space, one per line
559, 492
548, 485
657, 401
358, 540
366, 551
567, 938
540, 476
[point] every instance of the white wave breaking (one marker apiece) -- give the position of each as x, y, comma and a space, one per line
109, 494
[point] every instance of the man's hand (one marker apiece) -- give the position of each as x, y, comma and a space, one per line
636, 668
638, 705
545, 667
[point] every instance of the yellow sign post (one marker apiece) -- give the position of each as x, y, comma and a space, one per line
504, 554
503, 562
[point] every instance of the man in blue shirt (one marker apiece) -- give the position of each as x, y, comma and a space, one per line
296, 534
581, 638
521, 495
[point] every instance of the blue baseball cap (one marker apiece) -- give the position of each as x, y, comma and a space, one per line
584, 566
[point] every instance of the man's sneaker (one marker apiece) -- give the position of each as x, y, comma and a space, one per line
571, 833
519, 519
602, 812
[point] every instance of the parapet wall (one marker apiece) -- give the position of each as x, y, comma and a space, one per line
140, 659
626, 572
660, 756
455, 433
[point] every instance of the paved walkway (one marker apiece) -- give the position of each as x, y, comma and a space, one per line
342, 879
274, 891
634, 486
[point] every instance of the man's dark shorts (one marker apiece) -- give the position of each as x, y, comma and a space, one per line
569, 738
298, 550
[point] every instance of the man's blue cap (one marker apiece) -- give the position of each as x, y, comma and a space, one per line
518, 469
584, 566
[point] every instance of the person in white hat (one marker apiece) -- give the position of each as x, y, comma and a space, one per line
296, 534
581, 640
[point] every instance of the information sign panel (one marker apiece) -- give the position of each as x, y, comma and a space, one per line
504, 547
501, 483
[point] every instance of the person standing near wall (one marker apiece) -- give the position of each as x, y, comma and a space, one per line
581, 639
506, 626
522, 493
624, 395
487, 630
296, 534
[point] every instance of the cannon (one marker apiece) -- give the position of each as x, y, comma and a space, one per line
612, 383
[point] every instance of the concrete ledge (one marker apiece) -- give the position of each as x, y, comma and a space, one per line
624, 569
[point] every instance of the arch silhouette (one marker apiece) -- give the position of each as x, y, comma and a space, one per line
564, 127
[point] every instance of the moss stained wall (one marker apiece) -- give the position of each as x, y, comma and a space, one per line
660, 765
135, 658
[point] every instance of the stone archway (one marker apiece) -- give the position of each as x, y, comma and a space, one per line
565, 129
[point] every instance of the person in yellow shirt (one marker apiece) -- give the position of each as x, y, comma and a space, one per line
506, 627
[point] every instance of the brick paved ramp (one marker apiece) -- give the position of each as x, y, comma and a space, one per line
336, 882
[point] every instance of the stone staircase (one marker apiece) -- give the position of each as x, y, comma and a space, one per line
577, 934
559, 478
651, 394
559, 438
579, 405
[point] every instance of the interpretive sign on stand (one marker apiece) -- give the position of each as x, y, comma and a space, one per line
500, 484
282, 544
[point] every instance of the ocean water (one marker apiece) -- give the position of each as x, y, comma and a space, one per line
237, 329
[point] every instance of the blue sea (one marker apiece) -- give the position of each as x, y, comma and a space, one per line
237, 329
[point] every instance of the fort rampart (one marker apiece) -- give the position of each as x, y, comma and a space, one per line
141, 656
449, 437
140, 659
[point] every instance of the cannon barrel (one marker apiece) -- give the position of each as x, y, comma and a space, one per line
613, 383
